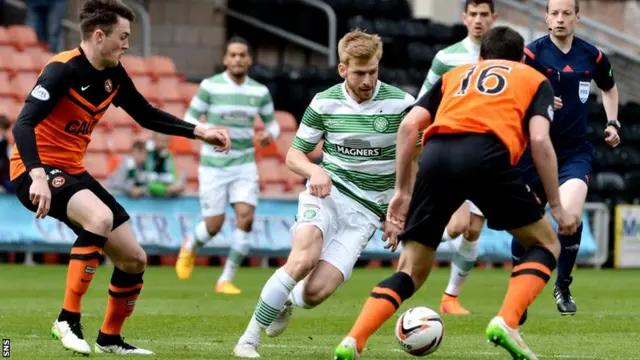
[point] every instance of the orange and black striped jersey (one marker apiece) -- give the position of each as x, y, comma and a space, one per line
65, 105
492, 96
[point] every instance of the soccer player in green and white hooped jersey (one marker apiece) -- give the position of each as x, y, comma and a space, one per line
231, 100
478, 16
347, 195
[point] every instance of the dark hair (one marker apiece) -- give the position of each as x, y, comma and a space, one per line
478, 2
575, 2
139, 145
502, 42
238, 40
103, 15
4, 122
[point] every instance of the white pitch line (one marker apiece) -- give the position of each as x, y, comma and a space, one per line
329, 348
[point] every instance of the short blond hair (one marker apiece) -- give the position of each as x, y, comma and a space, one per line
357, 44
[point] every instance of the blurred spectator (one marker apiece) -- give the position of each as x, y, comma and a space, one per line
130, 177
5, 184
45, 17
164, 179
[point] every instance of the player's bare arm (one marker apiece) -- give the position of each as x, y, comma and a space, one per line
319, 180
417, 119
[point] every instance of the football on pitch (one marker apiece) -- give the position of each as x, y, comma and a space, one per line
419, 331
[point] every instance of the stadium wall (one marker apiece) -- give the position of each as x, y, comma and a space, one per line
162, 224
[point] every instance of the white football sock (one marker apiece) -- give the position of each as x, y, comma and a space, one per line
297, 298
463, 261
274, 294
200, 237
241, 244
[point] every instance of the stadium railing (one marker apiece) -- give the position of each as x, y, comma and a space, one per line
330, 50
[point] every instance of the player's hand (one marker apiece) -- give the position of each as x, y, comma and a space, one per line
219, 137
567, 224
264, 138
557, 103
611, 136
39, 192
398, 209
390, 235
320, 183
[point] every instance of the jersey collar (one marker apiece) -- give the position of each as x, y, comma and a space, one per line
471, 46
353, 102
228, 79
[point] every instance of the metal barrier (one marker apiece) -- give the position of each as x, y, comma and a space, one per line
329, 50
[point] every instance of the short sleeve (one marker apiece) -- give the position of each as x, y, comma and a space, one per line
603, 74
542, 102
431, 99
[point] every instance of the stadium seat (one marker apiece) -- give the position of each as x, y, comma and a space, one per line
188, 90
284, 142
121, 140
10, 108
274, 189
22, 84
161, 66
41, 58
149, 91
99, 141
187, 165
168, 91
142, 81
22, 36
271, 171
5, 40
175, 109
135, 65
286, 121
97, 165
117, 117
15, 62
293, 180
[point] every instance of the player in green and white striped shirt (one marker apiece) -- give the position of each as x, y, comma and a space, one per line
231, 100
347, 195
478, 16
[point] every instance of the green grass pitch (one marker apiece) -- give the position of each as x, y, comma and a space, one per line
187, 320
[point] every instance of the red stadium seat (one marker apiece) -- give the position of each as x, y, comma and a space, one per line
121, 140
23, 83
99, 140
284, 142
188, 165
188, 90
14, 62
271, 171
117, 117
22, 36
97, 165
134, 65
286, 121
175, 109
168, 92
